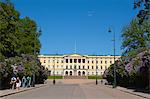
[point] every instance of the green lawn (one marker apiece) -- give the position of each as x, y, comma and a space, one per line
61, 77
94, 77
56, 77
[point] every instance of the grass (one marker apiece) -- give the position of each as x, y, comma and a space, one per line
94, 77
56, 77
61, 77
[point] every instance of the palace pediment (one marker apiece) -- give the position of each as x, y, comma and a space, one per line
74, 55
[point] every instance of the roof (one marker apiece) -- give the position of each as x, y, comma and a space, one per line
73, 54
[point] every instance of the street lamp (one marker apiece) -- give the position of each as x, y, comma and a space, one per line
54, 72
115, 83
37, 34
96, 71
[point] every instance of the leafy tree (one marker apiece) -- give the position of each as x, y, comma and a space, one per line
135, 39
8, 19
18, 36
28, 37
144, 12
19, 46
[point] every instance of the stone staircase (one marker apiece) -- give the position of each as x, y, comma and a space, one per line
75, 77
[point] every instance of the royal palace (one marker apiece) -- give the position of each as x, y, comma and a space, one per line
76, 64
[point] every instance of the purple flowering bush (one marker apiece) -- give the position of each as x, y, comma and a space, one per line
25, 65
131, 72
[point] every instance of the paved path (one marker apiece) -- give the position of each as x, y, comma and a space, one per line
8, 92
73, 89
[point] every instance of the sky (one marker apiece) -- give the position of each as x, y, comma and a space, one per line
80, 26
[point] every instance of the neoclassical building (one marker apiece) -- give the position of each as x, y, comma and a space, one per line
76, 64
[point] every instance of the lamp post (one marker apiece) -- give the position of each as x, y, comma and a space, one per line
0, 81
115, 83
96, 71
54, 72
33, 73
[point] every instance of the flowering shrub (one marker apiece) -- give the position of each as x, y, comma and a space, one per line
131, 72
25, 65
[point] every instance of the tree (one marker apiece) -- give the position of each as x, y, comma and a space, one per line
19, 46
8, 20
144, 13
28, 37
135, 39
18, 36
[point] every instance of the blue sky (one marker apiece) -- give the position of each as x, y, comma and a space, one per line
86, 22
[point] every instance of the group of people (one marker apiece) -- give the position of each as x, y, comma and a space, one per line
16, 83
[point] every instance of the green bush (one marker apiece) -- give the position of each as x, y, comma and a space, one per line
94, 77
56, 77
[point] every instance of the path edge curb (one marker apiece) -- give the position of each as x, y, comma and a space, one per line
133, 93
22, 91
129, 92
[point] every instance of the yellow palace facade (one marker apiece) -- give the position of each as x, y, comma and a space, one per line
76, 64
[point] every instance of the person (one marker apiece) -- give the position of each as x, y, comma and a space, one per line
24, 80
18, 83
101, 81
28, 81
13, 82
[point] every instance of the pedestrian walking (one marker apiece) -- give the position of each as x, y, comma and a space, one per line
24, 81
13, 82
18, 83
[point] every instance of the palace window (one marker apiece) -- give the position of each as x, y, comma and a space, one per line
96, 61
92, 67
105, 62
75, 60
83, 60
66, 60
105, 67
79, 67
96, 67
70, 66
88, 61
70, 60
101, 67
61, 61
88, 67
101, 62
92, 61
79, 60
110, 62
83, 67
66, 67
